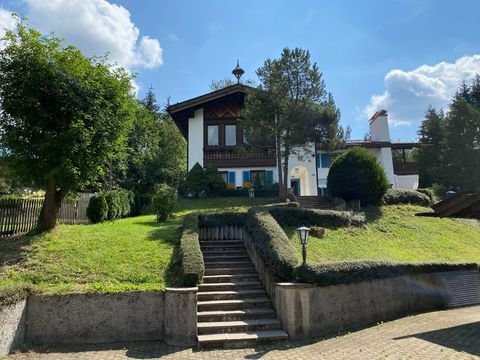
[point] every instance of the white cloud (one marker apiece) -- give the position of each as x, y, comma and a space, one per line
408, 94
97, 27
6, 23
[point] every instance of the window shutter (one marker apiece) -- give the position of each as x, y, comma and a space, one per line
317, 158
246, 176
231, 177
269, 178
325, 161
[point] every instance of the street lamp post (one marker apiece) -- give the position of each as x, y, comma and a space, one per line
251, 194
303, 237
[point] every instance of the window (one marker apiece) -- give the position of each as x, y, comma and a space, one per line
224, 175
230, 135
212, 135
325, 163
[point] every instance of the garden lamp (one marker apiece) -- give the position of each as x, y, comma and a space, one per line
303, 237
251, 194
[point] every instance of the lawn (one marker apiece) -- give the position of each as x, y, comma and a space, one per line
394, 233
128, 254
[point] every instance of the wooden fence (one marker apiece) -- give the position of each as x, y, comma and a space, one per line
19, 216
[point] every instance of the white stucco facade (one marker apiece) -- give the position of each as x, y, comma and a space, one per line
302, 169
195, 139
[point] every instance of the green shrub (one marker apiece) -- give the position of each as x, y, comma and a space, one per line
164, 201
193, 266
97, 210
439, 190
357, 175
196, 182
214, 181
429, 193
393, 197
227, 218
113, 204
290, 216
272, 243
357, 271
291, 204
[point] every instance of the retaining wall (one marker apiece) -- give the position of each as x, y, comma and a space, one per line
101, 318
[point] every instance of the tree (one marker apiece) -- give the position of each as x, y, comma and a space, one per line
64, 116
430, 156
289, 109
357, 175
221, 84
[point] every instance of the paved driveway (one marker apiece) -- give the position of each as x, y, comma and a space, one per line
451, 334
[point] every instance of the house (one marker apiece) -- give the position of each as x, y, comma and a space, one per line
210, 123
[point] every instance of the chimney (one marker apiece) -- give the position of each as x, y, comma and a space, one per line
379, 129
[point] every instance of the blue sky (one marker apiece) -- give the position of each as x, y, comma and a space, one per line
401, 55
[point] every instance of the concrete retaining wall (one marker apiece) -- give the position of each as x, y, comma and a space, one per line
307, 311
12, 326
101, 318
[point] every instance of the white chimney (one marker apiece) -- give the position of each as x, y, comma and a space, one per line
379, 126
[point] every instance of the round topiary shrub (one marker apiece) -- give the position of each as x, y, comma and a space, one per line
357, 175
164, 201
97, 209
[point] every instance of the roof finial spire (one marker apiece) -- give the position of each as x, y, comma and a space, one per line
238, 72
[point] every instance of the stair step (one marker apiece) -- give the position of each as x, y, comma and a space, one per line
227, 264
222, 252
235, 315
209, 305
222, 327
241, 339
235, 278
221, 242
226, 286
225, 271
230, 295
219, 247
225, 258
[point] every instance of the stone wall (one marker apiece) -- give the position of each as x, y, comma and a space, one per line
12, 326
307, 310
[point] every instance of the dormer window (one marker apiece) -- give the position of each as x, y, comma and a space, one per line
230, 135
212, 135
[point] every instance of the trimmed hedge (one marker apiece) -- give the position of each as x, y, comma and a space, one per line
244, 193
118, 204
357, 271
227, 218
164, 201
97, 209
288, 216
393, 197
292, 204
429, 193
272, 243
193, 266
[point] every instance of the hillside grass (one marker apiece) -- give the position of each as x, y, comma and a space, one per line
395, 233
132, 254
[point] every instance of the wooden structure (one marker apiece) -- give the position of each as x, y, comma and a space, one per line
463, 205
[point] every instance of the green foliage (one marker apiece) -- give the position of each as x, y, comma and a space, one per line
214, 181
64, 116
429, 193
290, 107
291, 216
113, 205
196, 182
439, 190
271, 242
357, 175
97, 210
193, 266
357, 271
395, 197
164, 201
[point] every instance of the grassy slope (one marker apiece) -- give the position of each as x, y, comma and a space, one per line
128, 254
396, 234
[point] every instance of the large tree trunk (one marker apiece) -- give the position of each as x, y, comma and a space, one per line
282, 186
51, 206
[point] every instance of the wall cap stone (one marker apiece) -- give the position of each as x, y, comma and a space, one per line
295, 285
182, 290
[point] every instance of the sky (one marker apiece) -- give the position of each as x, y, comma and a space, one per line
398, 55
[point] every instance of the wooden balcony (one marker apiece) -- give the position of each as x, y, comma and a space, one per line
405, 168
239, 157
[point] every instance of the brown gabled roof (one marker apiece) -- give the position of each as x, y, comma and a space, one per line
180, 112
379, 144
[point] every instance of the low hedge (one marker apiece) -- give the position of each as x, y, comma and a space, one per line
288, 216
292, 204
272, 243
227, 218
429, 193
357, 271
110, 205
394, 197
244, 193
193, 266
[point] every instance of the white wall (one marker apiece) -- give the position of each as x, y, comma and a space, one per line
195, 139
239, 173
406, 182
303, 167
379, 129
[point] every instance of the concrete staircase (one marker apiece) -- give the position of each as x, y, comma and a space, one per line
315, 202
233, 307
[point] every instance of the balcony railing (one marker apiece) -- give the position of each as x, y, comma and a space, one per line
239, 156
405, 168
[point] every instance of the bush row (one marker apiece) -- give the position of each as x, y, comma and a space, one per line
229, 218
393, 197
193, 266
272, 243
290, 216
110, 205
292, 204
356, 271
244, 193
